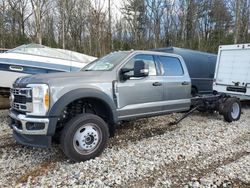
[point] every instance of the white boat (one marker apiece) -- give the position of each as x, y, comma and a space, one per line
38, 59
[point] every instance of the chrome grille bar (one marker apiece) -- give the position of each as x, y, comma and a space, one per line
21, 91
20, 99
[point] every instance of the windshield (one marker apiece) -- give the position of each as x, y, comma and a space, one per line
107, 62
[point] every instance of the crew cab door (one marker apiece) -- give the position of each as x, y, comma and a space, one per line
177, 83
139, 96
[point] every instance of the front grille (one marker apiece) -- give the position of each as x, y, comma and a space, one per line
21, 99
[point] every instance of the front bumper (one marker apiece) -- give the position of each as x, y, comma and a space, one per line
31, 137
41, 141
19, 123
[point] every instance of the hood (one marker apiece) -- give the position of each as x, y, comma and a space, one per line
65, 78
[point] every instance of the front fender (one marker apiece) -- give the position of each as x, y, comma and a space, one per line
73, 95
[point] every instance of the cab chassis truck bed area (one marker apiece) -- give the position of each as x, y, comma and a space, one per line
229, 107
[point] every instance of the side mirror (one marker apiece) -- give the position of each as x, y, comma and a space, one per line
141, 69
124, 73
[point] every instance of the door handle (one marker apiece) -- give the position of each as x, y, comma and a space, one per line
185, 83
16, 68
157, 84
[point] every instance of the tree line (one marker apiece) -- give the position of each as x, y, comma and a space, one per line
91, 27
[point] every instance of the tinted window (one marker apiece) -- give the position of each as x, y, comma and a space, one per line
148, 59
172, 66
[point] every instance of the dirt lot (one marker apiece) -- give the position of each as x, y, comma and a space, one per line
201, 151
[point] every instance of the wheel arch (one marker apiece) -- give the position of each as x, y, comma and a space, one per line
57, 109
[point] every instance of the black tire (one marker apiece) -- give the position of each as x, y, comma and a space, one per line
78, 126
229, 112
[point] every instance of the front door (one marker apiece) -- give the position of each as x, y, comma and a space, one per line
140, 96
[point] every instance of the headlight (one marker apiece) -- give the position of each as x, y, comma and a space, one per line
40, 99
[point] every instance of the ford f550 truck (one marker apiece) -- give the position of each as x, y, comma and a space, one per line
83, 108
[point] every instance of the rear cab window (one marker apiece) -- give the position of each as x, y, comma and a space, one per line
171, 66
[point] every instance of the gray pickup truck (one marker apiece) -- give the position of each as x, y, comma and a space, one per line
81, 110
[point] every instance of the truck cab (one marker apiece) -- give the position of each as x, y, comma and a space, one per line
164, 88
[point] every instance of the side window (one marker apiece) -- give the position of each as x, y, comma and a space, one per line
148, 59
171, 65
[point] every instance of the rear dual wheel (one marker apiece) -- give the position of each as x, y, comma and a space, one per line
231, 109
84, 137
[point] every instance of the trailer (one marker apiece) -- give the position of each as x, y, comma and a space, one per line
232, 75
200, 65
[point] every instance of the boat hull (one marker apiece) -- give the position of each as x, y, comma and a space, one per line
8, 77
13, 66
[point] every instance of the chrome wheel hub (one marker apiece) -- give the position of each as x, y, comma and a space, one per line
235, 110
87, 138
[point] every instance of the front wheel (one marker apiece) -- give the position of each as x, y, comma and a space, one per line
232, 109
84, 137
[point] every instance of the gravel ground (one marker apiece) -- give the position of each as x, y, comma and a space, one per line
201, 151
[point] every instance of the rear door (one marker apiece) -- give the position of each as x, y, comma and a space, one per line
177, 83
233, 67
232, 73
